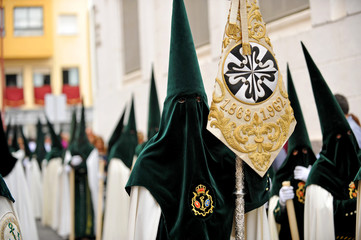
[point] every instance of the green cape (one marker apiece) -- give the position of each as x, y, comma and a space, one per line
124, 148
338, 162
184, 159
7, 160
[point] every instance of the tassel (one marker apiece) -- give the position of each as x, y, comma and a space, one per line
246, 49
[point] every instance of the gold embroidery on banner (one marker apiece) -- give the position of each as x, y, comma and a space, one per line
352, 190
256, 26
202, 201
259, 138
300, 192
219, 99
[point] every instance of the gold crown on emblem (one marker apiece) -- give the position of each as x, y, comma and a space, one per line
201, 189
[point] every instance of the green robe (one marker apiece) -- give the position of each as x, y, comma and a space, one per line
84, 215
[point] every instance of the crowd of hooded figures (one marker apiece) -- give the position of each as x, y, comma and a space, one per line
180, 184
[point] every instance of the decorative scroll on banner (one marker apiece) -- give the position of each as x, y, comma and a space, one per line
250, 110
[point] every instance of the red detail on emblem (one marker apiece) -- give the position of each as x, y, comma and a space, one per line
197, 204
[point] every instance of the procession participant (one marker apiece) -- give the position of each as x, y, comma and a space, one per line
295, 169
50, 211
120, 161
14, 177
85, 160
33, 177
64, 185
330, 200
182, 184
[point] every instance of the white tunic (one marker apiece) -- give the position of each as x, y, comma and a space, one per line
50, 192
117, 202
64, 215
92, 164
18, 187
318, 221
273, 225
145, 214
33, 178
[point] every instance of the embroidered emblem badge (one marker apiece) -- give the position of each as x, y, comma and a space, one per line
352, 190
300, 192
202, 202
9, 228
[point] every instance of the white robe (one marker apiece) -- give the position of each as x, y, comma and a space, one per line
64, 214
92, 164
18, 187
8, 215
273, 225
145, 212
33, 178
50, 191
117, 201
318, 221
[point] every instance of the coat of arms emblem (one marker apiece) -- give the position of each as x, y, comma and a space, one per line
202, 202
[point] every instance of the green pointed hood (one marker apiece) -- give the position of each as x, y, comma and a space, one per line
184, 155
300, 135
338, 162
124, 147
40, 151
56, 147
7, 161
27, 150
154, 112
299, 151
72, 127
14, 143
184, 76
326, 103
117, 132
82, 145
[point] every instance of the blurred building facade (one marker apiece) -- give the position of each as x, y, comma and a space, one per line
46, 50
132, 35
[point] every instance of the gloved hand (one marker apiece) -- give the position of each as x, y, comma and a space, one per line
67, 168
286, 193
301, 173
26, 162
76, 160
